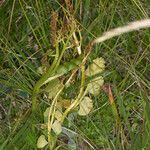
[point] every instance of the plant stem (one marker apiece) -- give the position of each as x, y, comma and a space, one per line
76, 102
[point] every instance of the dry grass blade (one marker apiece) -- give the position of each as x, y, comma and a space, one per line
124, 29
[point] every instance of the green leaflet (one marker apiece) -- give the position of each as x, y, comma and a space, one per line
41, 143
67, 66
64, 68
53, 87
86, 106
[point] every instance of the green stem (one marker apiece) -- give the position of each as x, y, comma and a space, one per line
39, 84
77, 100
45, 76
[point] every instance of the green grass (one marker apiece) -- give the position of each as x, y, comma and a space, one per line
25, 39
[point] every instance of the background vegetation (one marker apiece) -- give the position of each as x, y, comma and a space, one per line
25, 35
